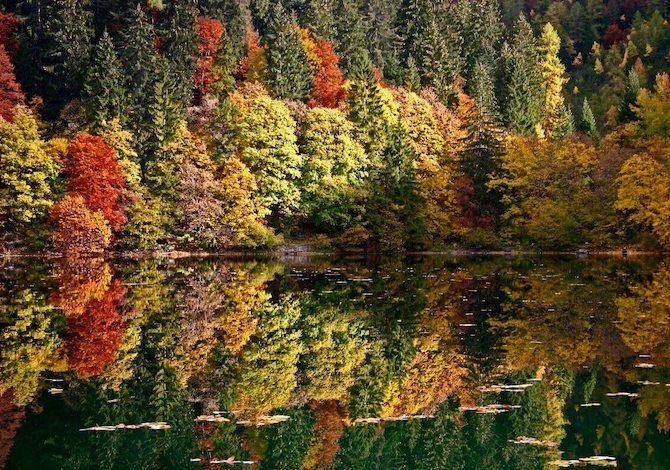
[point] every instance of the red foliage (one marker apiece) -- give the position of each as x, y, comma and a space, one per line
210, 32
469, 216
612, 35
76, 228
11, 418
94, 337
8, 24
93, 173
10, 90
328, 90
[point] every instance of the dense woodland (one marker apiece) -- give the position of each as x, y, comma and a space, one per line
384, 124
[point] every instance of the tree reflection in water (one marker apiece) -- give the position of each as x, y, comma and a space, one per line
335, 363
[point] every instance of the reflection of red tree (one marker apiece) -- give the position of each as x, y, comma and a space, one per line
328, 425
94, 336
11, 418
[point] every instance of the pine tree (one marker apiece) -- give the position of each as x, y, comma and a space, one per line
589, 122
552, 72
289, 75
624, 111
523, 86
181, 46
105, 93
66, 50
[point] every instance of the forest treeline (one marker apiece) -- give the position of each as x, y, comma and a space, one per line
417, 124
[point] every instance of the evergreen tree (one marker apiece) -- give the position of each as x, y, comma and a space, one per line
384, 43
181, 46
139, 61
289, 75
481, 29
523, 87
65, 52
351, 34
483, 146
235, 16
320, 19
624, 111
589, 122
365, 107
565, 123
482, 89
105, 89
412, 77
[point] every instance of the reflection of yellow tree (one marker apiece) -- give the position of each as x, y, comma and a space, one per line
269, 363
645, 315
28, 344
335, 349
655, 399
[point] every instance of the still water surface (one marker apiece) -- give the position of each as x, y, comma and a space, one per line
417, 363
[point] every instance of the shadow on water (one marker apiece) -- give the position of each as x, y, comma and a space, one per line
391, 363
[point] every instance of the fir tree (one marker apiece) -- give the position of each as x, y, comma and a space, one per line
412, 77
105, 89
481, 29
589, 122
351, 34
235, 18
384, 43
289, 75
565, 122
523, 87
482, 89
66, 49
320, 19
624, 111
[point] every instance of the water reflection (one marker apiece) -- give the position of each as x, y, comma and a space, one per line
417, 363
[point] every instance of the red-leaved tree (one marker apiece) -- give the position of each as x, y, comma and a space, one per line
8, 24
10, 90
94, 174
210, 32
328, 91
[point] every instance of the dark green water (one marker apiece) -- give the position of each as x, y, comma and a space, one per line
384, 364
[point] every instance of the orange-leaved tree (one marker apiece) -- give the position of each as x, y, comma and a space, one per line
76, 228
328, 90
94, 174
209, 32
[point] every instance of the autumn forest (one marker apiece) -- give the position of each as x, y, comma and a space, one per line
344, 124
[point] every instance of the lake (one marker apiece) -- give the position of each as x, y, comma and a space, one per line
314, 363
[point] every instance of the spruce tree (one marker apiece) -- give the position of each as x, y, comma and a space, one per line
483, 145
482, 89
522, 82
384, 43
181, 46
624, 110
365, 107
481, 28
66, 51
289, 75
139, 61
565, 123
105, 88
320, 19
235, 18
589, 122
351, 34
412, 77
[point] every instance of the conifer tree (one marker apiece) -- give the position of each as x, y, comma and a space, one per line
351, 34
624, 111
289, 75
235, 17
320, 19
139, 60
365, 107
105, 93
481, 28
589, 122
565, 123
483, 146
482, 89
523, 87
412, 77
66, 49
181, 46
552, 72
383, 40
